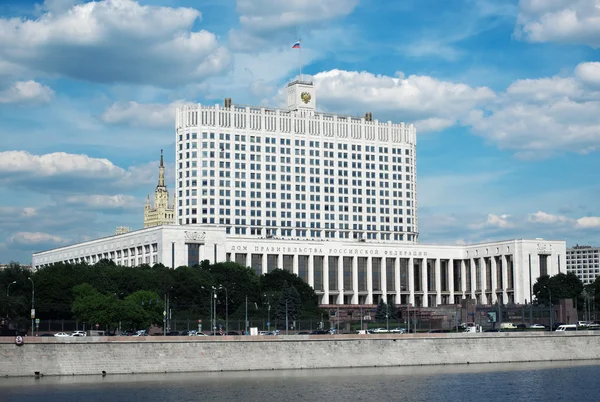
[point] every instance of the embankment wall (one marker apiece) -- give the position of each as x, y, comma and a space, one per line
115, 355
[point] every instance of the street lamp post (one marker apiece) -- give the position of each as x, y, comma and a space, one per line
32, 305
551, 308
226, 309
7, 299
214, 323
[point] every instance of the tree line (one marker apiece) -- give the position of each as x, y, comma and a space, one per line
107, 293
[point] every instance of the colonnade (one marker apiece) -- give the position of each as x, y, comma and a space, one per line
419, 281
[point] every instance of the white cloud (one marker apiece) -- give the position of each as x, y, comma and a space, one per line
437, 104
265, 22
27, 92
543, 217
152, 115
589, 73
495, 221
34, 238
538, 117
72, 173
561, 21
114, 41
102, 201
589, 222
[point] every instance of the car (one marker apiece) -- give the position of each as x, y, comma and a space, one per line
379, 331
398, 330
200, 334
537, 326
78, 333
61, 335
173, 333
45, 335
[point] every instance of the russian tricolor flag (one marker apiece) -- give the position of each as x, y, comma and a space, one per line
296, 45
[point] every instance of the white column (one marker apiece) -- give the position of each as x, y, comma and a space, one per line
326, 279
311, 271
450, 278
295, 264
438, 282
280, 261
424, 282
397, 280
494, 278
265, 261
340, 279
383, 277
463, 277
369, 280
473, 277
504, 268
411, 281
249, 260
354, 280
483, 268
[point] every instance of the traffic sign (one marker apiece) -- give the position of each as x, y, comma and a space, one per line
37, 320
199, 321
268, 323
165, 313
97, 325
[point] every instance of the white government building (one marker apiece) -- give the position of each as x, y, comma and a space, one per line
331, 198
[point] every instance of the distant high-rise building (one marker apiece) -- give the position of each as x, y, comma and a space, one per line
584, 261
161, 213
296, 172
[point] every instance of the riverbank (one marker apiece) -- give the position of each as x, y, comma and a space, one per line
127, 355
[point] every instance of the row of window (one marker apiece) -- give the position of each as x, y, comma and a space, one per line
298, 142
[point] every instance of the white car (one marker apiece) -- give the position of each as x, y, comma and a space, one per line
379, 331
537, 326
61, 335
78, 333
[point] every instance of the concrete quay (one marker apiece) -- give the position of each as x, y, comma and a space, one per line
140, 355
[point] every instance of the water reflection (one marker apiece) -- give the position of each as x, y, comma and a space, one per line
493, 382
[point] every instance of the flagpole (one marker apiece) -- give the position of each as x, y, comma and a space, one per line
300, 58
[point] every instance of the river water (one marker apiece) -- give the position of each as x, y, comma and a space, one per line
555, 381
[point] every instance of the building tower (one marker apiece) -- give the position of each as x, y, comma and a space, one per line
161, 213
296, 173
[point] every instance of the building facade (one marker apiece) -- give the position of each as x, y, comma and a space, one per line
162, 212
584, 261
330, 198
295, 173
343, 272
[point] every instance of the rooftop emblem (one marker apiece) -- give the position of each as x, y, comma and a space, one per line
305, 96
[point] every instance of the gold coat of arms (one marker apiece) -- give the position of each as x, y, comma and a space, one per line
305, 96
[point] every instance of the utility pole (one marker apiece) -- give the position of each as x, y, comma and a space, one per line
246, 323
32, 306
286, 317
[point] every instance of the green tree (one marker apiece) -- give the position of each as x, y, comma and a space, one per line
93, 307
382, 311
141, 309
289, 303
561, 286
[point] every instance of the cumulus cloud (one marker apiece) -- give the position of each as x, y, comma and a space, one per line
61, 172
538, 117
263, 21
589, 73
103, 201
151, 115
114, 41
34, 238
561, 21
589, 222
434, 103
543, 217
27, 92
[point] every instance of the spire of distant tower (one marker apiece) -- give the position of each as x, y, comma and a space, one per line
161, 171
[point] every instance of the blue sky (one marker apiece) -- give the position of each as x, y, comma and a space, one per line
505, 96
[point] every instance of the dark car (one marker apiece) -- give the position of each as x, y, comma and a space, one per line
173, 333
45, 335
521, 326
319, 332
556, 325
233, 333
